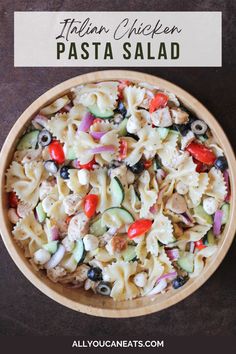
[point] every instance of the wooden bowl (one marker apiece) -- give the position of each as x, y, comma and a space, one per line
84, 301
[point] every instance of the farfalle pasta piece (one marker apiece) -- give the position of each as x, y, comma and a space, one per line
165, 261
168, 149
101, 127
216, 187
148, 190
196, 193
110, 139
141, 250
162, 230
62, 129
199, 259
100, 182
62, 186
120, 274
185, 173
155, 270
64, 126
25, 180
55, 106
84, 145
104, 95
30, 231
134, 96
148, 144
74, 184
196, 232
54, 207
131, 201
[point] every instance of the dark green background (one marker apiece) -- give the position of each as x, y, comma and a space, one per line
211, 310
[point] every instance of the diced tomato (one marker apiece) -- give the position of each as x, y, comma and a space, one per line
123, 148
56, 152
147, 164
87, 166
200, 166
13, 199
199, 245
121, 86
90, 205
201, 153
159, 101
139, 227
68, 219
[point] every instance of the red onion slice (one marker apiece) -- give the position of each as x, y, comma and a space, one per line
226, 178
56, 258
86, 122
167, 276
54, 233
104, 148
41, 120
158, 288
68, 107
97, 135
173, 254
153, 209
217, 222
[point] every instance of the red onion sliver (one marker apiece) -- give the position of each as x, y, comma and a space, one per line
54, 233
158, 288
97, 135
86, 122
75, 164
173, 254
217, 222
41, 120
226, 178
68, 107
56, 258
104, 148
153, 209
167, 276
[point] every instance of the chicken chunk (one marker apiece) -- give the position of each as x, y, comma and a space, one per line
162, 118
179, 116
78, 227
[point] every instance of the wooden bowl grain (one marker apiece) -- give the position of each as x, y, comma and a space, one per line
78, 299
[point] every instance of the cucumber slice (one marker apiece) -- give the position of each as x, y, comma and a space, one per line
200, 213
70, 153
116, 217
117, 191
226, 209
79, 251
41, 215
108, 113
129, 254
51, 247
186, 262
97, 229
163, 132
122, 127
69, 263
28, 141
211, 240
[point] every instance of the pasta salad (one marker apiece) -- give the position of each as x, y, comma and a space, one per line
118, 188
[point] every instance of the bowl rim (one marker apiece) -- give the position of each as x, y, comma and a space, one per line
189, 101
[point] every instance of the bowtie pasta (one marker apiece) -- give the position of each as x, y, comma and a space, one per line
118, 188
